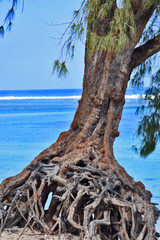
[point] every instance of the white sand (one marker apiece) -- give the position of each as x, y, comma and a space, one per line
14, 234
28, 235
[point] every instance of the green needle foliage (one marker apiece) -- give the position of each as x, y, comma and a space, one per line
8, 21
149, 70
120, 29
149, 126
75, 32
61, 68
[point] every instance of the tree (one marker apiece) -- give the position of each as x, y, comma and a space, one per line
92, 195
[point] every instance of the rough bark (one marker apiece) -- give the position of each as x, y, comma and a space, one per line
145, 51
92, 195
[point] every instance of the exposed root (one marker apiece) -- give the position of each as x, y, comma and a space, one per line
85, 202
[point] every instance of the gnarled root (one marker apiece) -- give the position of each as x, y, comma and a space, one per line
85, 201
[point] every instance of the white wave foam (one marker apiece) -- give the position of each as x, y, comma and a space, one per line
135, 96
39, 98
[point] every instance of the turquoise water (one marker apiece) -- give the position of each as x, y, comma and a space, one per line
31, 121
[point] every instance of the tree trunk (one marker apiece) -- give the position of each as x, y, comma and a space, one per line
92, 195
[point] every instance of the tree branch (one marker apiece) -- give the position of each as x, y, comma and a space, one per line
140, 54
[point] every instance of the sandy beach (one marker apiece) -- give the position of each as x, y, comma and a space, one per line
15, 234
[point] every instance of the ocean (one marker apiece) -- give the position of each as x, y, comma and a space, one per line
31, 120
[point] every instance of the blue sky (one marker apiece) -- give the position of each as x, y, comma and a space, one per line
27, 52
